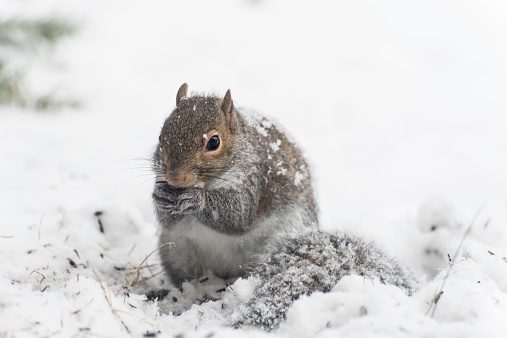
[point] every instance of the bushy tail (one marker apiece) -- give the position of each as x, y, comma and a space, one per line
314, 261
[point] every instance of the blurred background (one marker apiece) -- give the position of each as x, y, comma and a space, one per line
400, 106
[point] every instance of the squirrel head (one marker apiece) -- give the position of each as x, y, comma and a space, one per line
197, 139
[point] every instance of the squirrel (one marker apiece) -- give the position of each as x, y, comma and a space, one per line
234, 194
227, 182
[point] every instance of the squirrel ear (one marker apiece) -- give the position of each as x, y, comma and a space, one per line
227, 108
182, 92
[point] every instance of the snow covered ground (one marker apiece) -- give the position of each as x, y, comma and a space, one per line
401, 107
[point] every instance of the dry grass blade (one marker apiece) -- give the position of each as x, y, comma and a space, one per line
207, 296
438, 295
136, 272
108, 299
164, 305
104, 289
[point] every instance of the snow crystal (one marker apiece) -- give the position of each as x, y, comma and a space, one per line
297, 178
282, 171
261, 130
255, 120
275, 145
266, 124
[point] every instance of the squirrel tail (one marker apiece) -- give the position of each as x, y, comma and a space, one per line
316, 261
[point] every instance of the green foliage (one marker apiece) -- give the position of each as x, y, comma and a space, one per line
24, 37
23, 34
10, 86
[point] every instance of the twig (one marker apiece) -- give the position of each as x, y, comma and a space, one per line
446, 267
195, 277
152, 276
103, 289
133, 247
210, 297
130, 267
204, 271
62, 220
108, 299
139, 267
439, 294
40, 224
164, 305
119, 290
37, 271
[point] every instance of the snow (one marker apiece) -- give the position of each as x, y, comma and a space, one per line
298, 177
399, 107
275, 145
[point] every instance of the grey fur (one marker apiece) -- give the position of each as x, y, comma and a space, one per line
263, 191
310, 262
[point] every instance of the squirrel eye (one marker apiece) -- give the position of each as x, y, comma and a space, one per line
213, 143
159, 138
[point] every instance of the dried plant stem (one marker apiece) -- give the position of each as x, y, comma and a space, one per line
136, 272
107, 294
436, 298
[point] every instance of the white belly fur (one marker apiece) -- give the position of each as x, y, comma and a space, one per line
228, 255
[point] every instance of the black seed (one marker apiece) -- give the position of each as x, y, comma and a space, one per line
71, 262
101, 227
157, 294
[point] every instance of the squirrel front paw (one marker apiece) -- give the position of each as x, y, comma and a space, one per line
165, 197
189, 201
177, 201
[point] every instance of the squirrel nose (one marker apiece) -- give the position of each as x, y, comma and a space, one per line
180, 180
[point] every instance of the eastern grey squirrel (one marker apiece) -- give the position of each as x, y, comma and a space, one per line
234, 195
